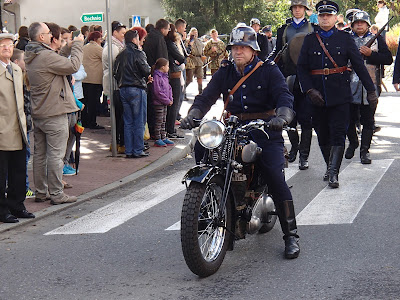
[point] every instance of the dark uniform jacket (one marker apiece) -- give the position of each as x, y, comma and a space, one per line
131, 68
155, 46
264, 90
335, 88
262, 41
396, 72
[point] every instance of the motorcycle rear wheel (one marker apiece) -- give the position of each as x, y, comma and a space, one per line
204, 243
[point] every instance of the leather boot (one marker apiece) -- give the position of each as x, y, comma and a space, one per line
366, 137
335, 160
294, 141
304, 148
287, 218
326, 151
353, 142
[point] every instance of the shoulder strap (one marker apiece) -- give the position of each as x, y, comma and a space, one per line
326, 51
259, 64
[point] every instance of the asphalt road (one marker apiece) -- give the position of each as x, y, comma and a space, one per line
135, 257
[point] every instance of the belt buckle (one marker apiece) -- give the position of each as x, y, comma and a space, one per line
326, 71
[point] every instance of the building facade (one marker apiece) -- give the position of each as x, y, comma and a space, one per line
16, 13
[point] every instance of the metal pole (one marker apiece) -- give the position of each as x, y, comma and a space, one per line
1, 12
111, 82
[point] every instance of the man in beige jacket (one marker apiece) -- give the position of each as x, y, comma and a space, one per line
13, 138
52, 99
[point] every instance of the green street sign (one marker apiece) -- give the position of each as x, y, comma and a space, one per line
92, 17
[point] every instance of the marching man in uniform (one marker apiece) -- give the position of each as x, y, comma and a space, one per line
375, 56
325, 78
293, 33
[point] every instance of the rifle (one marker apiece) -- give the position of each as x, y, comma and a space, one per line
372, 40
279, 54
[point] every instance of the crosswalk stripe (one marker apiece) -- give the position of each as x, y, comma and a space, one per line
341, 206
118, 212
290, 171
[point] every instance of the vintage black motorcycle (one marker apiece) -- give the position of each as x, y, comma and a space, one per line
226, 197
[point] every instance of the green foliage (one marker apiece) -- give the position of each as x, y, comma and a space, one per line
392, 38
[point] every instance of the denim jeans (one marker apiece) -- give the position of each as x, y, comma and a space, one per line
134, 101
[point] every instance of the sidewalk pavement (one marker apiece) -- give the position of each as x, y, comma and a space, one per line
100, 173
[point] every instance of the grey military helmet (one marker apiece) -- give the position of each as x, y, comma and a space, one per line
299, 2
243, 36
361, 16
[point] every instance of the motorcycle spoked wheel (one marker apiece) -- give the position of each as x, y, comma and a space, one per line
204, 243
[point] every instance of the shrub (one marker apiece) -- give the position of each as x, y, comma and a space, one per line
392, 38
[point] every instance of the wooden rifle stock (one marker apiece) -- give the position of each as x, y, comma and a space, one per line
279, 54
372, 40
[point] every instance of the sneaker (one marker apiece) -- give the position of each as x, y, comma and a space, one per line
63, 198
30, 194
159, 143
168, 142
175, 136
41, 198
67, 171
71, 168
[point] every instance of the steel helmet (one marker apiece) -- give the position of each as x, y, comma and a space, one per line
361, 16
243, 35
255, 21
299, 2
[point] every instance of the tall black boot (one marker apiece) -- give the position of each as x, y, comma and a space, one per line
335, 160
366, 137
353, 142
287, 218
326, 152
294, 141
304, 148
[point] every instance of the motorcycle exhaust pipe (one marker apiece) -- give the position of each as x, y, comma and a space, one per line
263, 207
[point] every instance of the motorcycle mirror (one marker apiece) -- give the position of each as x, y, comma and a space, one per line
262, 129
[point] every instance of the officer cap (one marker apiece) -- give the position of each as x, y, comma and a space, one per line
243, 36
361, 16
255, 21
327, 7
299, 2
350, 13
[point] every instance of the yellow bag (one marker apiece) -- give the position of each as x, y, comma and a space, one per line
146, 132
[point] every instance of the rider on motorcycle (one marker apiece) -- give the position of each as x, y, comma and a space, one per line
264, 95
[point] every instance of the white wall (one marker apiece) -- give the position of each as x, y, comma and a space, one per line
68, 12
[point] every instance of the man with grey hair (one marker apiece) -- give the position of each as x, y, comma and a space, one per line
52, 99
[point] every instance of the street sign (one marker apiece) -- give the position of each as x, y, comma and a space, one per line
136, 21
92, 17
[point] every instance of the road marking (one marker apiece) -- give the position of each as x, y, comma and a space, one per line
289, 173
341, 206
118, 212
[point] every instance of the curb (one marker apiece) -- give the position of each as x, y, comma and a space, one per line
171, 157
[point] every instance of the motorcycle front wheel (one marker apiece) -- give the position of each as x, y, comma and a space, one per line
205, 239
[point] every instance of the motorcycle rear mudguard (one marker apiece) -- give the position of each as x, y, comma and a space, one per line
200, 174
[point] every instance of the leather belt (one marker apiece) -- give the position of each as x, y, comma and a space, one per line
255, 116
327, 71
175, 74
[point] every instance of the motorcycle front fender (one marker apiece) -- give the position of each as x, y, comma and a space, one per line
200, 174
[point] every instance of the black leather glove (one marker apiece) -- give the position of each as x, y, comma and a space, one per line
372, 100
284, 115
189, 121
316, 97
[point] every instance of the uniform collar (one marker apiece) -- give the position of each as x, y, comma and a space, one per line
326, 34
365, 35
297, 23
250, 66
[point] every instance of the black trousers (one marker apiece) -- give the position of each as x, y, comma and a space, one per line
331, 123
172, 111
13, 166
302, 107
362, 113
119, 118
92, 93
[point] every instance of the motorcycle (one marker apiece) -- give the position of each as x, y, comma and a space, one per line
226, 197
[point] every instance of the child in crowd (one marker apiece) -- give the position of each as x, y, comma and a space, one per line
162, 96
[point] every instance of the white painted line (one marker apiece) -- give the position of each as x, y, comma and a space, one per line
341, 205
118, 212
291, 170
176, 226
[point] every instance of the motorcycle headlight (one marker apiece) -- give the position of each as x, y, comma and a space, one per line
211, 134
